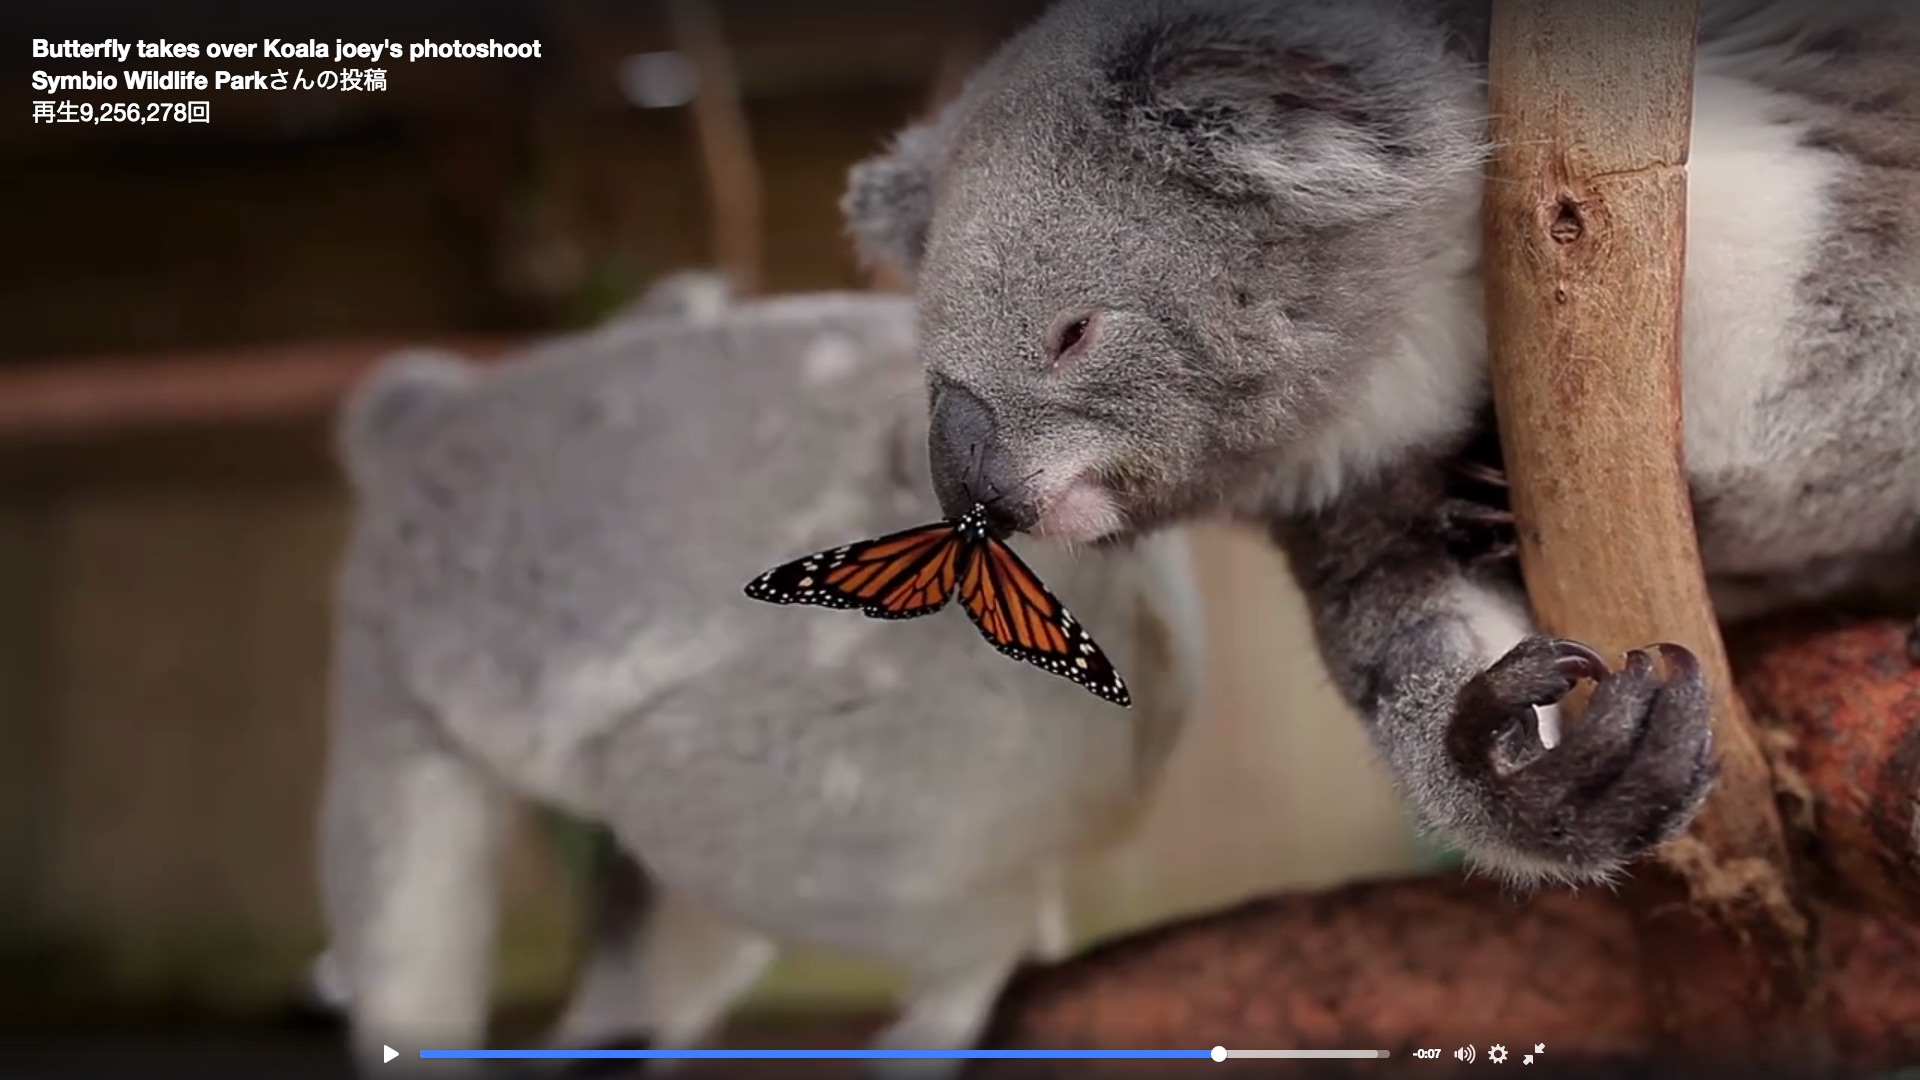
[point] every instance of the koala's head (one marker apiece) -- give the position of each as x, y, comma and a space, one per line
1162, 245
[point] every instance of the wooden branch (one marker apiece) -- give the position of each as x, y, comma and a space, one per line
726, 145
1585, 219
84, 397
1436, 963
1839, 705
1444, 962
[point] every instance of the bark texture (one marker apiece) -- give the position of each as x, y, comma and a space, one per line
1586, 239
1444, 962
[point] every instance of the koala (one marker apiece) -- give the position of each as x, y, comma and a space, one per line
541, 599
1220, 259
689, 295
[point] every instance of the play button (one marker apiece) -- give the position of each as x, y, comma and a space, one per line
388, 1053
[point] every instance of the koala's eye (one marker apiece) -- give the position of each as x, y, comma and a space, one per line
1070, 332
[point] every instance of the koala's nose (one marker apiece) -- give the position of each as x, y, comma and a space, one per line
969, 463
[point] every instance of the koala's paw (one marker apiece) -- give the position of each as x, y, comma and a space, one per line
1628, 775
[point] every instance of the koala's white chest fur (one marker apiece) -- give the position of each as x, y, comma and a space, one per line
1758, 203
1770, 403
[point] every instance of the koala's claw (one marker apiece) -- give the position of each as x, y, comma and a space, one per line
1480, 472
1629, 774
1538, 671
1913, 641
1475, 532
1680, 660
1578, 661
1462, 512
1498, 553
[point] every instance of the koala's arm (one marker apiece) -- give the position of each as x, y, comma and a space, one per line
1436, 651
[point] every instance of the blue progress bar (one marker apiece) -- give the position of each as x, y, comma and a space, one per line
819, 1055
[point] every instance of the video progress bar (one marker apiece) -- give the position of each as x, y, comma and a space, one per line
1221, 1053
1218, 1053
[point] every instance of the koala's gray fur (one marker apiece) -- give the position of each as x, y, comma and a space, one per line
542, 598
700, 296
1178, 258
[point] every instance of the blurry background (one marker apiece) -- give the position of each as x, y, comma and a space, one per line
186, 303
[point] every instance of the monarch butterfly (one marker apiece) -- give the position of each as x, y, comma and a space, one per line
914, 572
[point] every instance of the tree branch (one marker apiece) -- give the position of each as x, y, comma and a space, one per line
1585, 219
1429, 963
726, 145
1442, 962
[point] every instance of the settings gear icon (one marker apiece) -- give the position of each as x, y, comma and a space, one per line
1498, 1054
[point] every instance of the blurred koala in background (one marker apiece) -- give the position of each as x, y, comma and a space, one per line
541, 598
696, 296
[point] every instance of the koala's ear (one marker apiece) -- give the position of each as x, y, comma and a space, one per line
1336, 139
889, 200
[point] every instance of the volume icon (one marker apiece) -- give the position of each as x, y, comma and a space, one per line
1465, 1054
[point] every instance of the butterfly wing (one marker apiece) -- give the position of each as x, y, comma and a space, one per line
901, 575
1024, 620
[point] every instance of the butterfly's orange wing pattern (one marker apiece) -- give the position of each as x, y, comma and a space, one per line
1024, 620
915, 572
898, 576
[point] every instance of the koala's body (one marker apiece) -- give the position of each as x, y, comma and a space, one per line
542, 598
1221, 258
